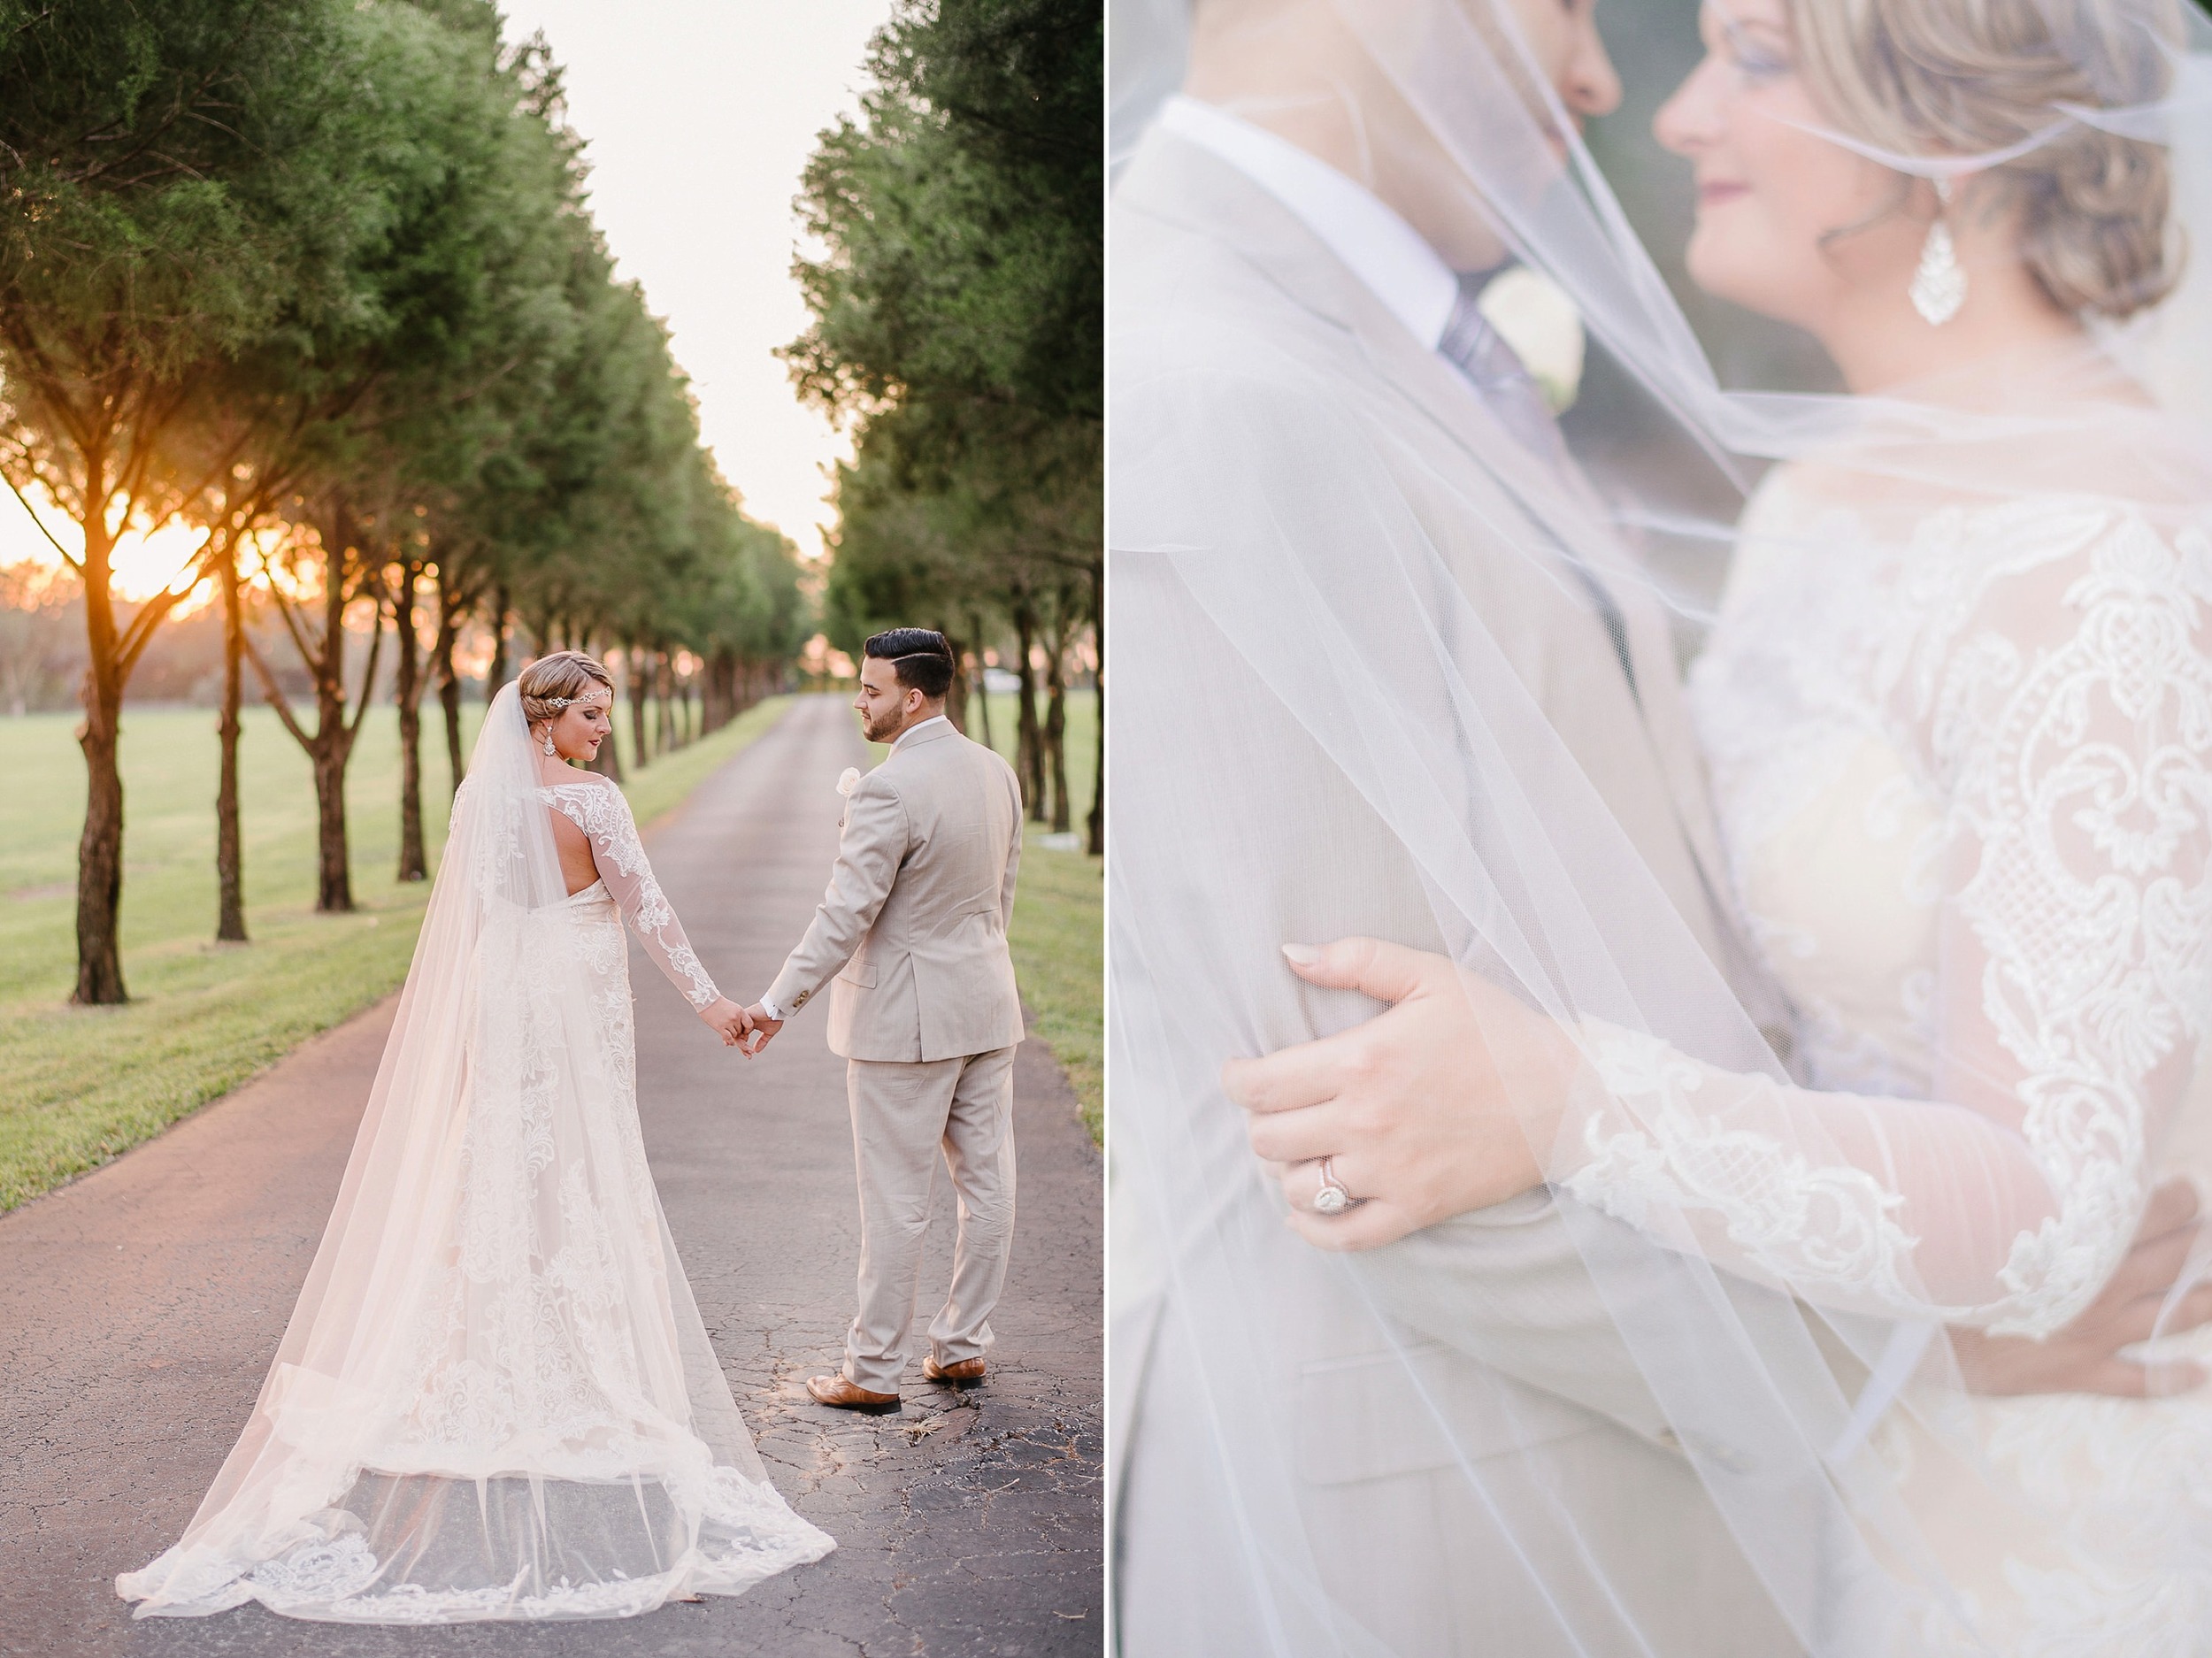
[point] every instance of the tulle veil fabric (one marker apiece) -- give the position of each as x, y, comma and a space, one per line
496, 1398
1273, 547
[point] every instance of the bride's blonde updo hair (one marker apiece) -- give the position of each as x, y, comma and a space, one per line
551, 683
1969, 77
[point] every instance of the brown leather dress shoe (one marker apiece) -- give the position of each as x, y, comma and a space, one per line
835, 1390
967, 1373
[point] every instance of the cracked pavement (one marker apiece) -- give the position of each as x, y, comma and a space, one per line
140, 1306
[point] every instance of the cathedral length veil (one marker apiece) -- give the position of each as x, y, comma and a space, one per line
1773, 1356
496, 1398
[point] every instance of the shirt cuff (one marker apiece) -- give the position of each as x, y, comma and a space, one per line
775, 1012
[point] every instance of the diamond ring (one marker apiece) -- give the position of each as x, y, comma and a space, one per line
1331, 1199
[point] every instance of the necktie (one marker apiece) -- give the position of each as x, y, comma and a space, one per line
1481, 353
1488, 363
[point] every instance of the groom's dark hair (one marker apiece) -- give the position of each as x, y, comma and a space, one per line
920, 658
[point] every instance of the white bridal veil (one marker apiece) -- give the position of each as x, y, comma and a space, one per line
494, 1397
1777, 1264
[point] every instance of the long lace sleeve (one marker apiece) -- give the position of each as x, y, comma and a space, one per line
600, 810
2056, 703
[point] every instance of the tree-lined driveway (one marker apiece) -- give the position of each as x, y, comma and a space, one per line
140, 1306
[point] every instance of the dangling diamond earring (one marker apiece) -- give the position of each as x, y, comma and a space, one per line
1938, 286
550, 750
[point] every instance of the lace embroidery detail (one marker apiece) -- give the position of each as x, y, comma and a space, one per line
745, 1535
2036, 677
1790, 1218
603, 813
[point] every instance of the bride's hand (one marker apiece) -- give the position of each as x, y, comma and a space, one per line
728, 1021
1425, 1111
2087, 1356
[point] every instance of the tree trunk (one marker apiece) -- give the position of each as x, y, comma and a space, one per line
333, 888
664, 722
1029, 762
230, 882
100, 849
330, 744
407, 692
334, 885
982, 682
495, 676
1098, 693
634, 670
449, 611
957, 692
1055, 734
721, 691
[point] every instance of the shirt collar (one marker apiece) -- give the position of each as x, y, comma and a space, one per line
1387, 255
934, 720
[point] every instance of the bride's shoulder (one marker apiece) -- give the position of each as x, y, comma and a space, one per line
595, 782
2064, 572
594, 802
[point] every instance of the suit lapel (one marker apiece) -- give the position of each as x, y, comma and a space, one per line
1190, 187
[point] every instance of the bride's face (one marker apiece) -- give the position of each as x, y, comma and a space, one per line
1789, 223
580, 727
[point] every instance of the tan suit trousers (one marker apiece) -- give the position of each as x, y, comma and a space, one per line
905, 1116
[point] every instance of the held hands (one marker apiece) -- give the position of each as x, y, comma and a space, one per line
763, 1028
1425, 1111
747, 1030
730, 1022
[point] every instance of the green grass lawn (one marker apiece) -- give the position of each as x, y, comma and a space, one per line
79, 1086
1060, 918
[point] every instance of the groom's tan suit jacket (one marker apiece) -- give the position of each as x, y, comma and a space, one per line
1499, 1367
911, 934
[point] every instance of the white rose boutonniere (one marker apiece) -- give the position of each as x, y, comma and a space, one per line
1534, 315
848, 780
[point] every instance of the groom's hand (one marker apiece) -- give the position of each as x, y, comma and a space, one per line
727, 1020
2086, 1356
761, 1027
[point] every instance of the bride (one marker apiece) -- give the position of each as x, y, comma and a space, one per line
495, 1399
1957, 714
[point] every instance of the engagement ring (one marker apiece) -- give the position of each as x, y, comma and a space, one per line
1331, 1199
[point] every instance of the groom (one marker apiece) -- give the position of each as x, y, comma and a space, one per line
922, 1010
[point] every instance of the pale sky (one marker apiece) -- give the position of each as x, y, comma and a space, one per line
699, 116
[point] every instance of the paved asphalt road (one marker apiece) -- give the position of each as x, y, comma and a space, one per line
139, 1307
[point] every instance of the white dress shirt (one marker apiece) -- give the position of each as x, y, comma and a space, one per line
1368, 237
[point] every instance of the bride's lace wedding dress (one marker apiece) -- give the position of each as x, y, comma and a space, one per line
496, 1398
1966, 790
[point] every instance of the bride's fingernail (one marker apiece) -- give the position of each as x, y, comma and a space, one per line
1302, 954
